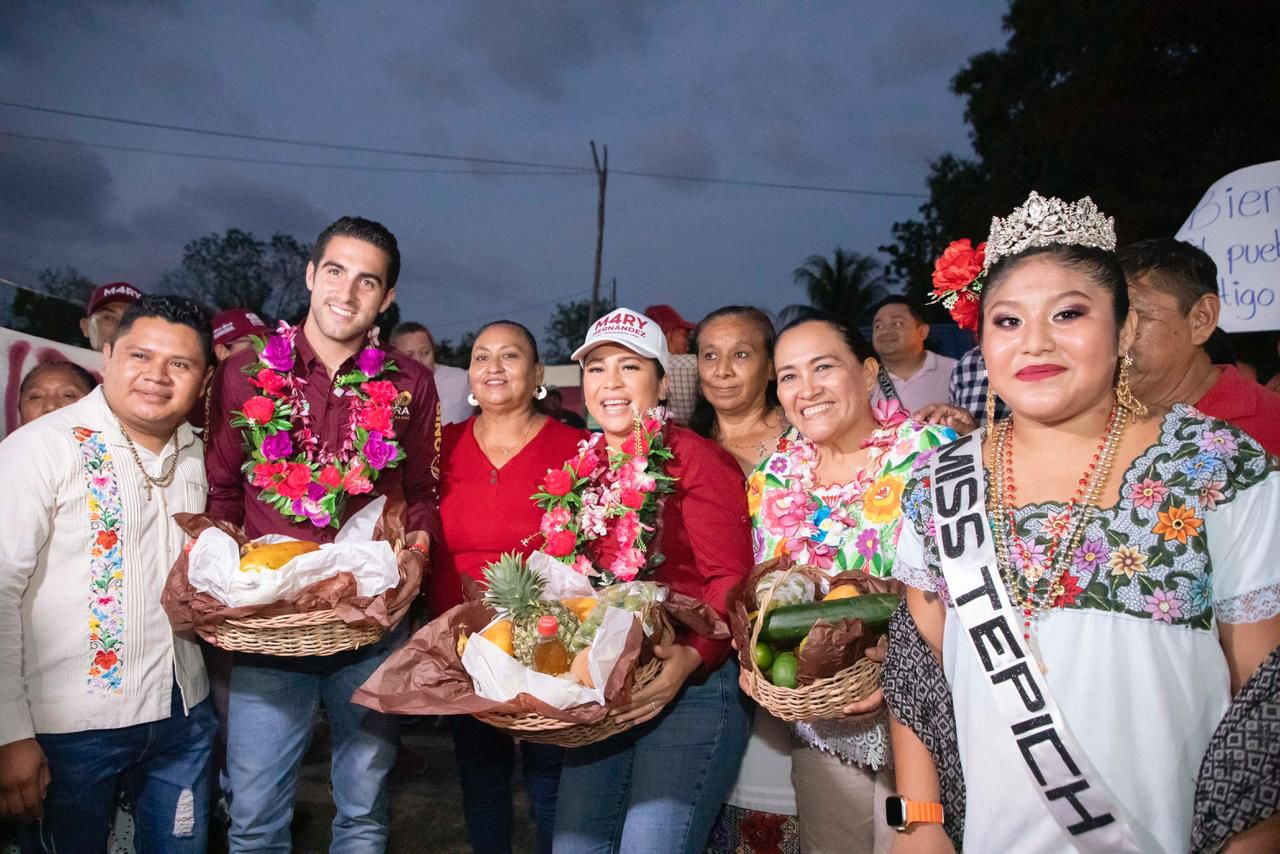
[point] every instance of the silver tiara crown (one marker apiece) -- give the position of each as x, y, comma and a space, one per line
1049, 222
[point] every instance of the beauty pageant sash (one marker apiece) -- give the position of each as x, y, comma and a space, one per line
1069, 785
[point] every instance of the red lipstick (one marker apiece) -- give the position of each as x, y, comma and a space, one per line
1035, 373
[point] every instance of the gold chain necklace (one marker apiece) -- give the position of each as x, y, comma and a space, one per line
167, 471
506, 452
1025, 595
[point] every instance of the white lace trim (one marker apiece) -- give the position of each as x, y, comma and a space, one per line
1252, 607
920, 579
855, 742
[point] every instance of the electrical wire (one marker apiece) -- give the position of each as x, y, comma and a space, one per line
274, 162
494, 161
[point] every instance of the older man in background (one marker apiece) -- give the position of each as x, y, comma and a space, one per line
102, 315
233, 331
682, 385
415, 341
1173, 287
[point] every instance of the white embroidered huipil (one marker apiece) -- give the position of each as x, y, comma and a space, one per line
84, 642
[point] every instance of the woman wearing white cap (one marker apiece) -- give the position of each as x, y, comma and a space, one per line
659, 786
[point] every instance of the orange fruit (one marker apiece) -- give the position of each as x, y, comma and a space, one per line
582, 606
844, 591
579, 670
500, 635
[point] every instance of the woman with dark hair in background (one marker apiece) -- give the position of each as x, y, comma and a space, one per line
737, 406
490, 464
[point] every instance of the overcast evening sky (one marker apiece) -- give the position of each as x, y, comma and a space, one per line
849, 95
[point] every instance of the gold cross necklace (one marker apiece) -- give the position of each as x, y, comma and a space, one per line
167, 472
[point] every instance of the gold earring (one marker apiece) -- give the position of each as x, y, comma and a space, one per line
1124, 394
991, 407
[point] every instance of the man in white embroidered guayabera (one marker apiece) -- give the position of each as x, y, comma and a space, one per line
96, 691
1096, 614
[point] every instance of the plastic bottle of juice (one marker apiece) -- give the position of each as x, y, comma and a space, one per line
549, 654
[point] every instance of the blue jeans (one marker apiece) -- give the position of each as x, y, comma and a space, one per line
486, 759
165, 767
273, 709
657, 789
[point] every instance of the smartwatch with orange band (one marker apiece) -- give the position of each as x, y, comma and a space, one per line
900, 813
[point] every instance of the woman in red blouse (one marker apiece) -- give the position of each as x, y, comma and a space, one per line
490, 465
659, 786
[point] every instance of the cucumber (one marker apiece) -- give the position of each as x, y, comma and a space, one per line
788, 625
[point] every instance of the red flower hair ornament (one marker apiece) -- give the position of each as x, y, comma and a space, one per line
957, 281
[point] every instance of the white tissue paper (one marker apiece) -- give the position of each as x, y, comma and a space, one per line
499, 677
214, 564
563, 582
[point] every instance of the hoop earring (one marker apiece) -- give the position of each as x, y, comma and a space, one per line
991, 408
472, 399
540, 393
1124, 394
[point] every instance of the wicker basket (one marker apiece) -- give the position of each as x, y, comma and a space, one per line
822, 700
312, 633
531, 726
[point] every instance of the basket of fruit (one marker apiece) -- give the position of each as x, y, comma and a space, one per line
555, 637
803, 654
286, 597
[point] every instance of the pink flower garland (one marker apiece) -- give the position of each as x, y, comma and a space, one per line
605, 504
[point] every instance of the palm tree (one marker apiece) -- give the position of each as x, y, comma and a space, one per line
846, 286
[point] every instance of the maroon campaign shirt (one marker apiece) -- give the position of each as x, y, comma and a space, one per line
487, 510
234, 499
1253, 408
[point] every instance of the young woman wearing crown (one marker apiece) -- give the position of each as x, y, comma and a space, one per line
1097, 581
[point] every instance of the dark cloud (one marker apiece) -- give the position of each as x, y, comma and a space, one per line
534, 47
55, 191
919, 46
221, 201
677, 150
429, 79
301, 12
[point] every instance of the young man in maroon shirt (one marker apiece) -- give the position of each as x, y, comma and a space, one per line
1173, 286
352, 277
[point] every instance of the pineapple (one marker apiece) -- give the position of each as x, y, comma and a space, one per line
516, 589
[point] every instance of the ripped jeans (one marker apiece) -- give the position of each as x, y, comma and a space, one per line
164, 765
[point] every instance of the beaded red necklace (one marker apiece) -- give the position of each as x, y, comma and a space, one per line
1038, 596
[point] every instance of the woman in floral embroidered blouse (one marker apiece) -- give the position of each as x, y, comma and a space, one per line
830, 497
1144, 630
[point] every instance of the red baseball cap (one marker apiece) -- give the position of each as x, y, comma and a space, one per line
114, 292
236, 323
667, 318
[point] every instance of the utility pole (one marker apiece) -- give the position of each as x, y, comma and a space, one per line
602, 176
613, 300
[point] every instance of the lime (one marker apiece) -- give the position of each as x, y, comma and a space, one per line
764, 656
783, 673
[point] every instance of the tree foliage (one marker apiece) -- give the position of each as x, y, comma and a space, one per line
568, 329
846, 286
1140, 105
458, 355
238, 270
55, 316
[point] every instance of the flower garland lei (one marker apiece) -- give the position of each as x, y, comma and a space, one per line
958, 280
796, 517
302, 479
601, 495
